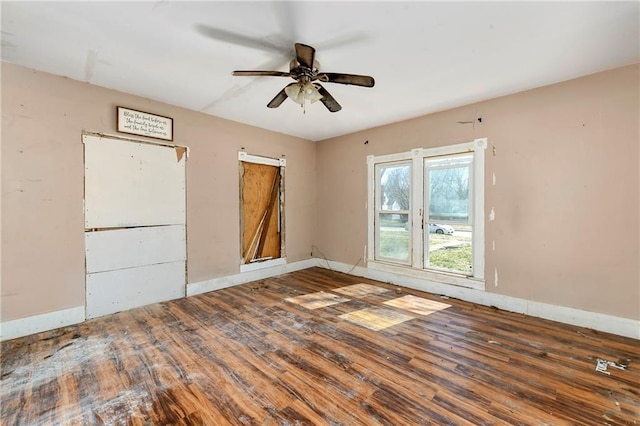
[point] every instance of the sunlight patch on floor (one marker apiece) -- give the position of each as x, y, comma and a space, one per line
417, 305
360, 290
376, 318
317, 300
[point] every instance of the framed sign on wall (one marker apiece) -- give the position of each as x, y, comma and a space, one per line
141, 123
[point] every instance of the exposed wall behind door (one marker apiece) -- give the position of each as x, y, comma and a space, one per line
565, 197
43, 117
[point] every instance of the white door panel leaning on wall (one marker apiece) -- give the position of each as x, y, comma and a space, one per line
135, 224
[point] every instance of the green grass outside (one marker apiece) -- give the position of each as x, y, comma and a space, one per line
392, 223
394, 244
456, 259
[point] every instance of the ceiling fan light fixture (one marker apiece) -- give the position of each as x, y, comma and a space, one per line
295, 93
311, 93
301, 92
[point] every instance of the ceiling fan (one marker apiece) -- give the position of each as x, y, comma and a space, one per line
304, 69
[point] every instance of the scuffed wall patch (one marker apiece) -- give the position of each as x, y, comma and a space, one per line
180, 151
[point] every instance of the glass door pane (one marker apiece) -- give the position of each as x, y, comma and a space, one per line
448, 230
393, 204
394, 237
452, 251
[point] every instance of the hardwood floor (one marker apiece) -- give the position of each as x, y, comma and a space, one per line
246, 356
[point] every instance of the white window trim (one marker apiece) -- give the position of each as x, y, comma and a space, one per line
278, 162
262, 265
417, 155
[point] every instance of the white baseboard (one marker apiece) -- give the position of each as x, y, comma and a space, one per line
43, 322
597, 321
35, 324
245, 277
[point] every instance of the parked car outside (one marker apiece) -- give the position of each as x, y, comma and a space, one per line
436, 228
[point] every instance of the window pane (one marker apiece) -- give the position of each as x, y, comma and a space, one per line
451, 251
394, 236
449, 189
395, 186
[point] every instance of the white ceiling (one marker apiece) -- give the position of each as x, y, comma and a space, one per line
424, 56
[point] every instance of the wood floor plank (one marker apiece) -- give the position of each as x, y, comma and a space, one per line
246, 356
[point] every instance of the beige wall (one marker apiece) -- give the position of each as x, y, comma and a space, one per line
566, 196
43, 117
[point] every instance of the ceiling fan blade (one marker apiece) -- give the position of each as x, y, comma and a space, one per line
262, 73
305, 55
328, 100
356, 80
240, 39
285, 13
279, 98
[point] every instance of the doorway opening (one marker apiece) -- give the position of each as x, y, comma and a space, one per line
261, 211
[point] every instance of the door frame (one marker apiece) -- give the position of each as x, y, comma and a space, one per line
243, 156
